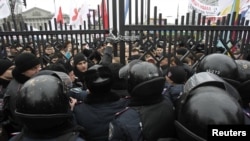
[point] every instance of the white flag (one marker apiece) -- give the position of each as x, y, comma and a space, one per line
4, 9
84, 13
74, 12
79, 14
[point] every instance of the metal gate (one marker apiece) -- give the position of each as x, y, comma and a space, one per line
192, 31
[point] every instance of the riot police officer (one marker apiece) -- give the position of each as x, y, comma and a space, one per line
149, 116
43, 107
100, 105
244, 88
221, 65
207, 100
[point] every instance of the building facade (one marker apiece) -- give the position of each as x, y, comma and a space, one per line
35, 17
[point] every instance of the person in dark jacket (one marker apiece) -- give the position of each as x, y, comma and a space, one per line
149, 116
100, 105
6, 67
176, 77
26, 66
80, 66
48, 53
43, 106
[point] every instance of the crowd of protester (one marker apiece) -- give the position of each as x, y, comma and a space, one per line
57, 92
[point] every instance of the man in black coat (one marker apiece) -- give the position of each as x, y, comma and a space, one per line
26, 66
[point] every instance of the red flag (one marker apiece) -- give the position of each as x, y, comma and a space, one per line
104, 14
59, 17
75, 16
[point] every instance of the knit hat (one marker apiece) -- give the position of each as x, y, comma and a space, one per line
4, 65
177, 74
25, 61
79, 57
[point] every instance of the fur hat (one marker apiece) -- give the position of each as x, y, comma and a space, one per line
4, 65
25, 61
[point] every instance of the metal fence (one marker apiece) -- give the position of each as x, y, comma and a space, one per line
193, 31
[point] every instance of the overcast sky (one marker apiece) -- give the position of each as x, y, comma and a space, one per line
168, 8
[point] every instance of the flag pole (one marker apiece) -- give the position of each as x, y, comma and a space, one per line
12, 10
54, 6
178, 10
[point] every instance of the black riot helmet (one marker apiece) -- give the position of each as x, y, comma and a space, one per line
145, 80
203, 106
43, 102
98, 79
244, 78
221, 65
243, 70
210, 79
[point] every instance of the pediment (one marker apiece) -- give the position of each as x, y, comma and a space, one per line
36, 13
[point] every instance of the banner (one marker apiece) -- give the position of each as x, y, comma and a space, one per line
4, 9
202, 8
245, 9
223, 8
